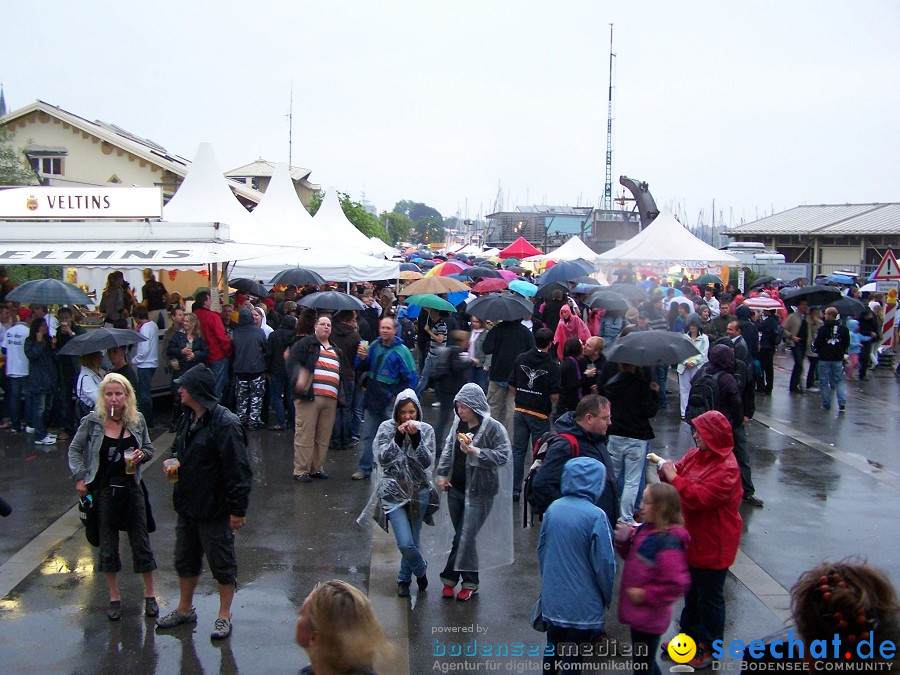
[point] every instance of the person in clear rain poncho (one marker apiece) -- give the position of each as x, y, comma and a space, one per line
475, 471
404, 496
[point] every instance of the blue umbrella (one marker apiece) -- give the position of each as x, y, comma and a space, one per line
584, 288
457, 297
523, 288
409, 267
459, 277
840, 279
566, 271
418, 260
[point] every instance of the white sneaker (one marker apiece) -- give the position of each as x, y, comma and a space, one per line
436, 404
47, 440
29, 430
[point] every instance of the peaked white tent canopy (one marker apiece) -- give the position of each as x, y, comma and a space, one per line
383, 249
665, 241
281, 216
342, 234
204, 197
573, 249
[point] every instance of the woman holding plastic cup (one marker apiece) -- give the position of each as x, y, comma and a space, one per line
97, 460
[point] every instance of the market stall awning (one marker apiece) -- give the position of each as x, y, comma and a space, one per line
332, 265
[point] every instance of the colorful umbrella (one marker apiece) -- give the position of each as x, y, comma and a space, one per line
510, 262
434, 285
490, 285
409, 275
761, 302
507, 274
431, 301
409, 267
523, 288
446, 269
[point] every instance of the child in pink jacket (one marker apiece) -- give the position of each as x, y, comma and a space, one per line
655, 573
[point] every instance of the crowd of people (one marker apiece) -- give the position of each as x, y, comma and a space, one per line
503, 390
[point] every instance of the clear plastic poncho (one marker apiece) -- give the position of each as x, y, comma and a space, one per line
485, 542
403, 470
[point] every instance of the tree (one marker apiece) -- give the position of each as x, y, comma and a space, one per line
12, 170
429, 229
356, 213
398, 226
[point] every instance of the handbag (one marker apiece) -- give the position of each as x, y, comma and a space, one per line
90, 519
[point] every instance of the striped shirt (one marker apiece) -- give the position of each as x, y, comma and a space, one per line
327, 375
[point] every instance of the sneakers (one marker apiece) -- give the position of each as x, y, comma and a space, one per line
221, 629
403, 589
114, 610
151, 608
47, 440
303, 478
29, 430
703, 659
359, 475
320, 475
448, 592
753, 500
422, 582
175, 618
466, 593
842, 407
436, 404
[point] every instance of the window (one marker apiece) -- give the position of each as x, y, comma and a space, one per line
47, 166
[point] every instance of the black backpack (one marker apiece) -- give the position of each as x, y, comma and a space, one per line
540, 452
704, 396
408, 333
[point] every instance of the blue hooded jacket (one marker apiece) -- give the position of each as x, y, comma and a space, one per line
575, 551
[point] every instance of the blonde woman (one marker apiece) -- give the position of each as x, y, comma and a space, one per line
338, 629
87, 386
98, 466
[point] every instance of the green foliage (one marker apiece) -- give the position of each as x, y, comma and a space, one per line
749, 277
356, 213
428, 224
12, 170
398, 226
429, 229
22, 273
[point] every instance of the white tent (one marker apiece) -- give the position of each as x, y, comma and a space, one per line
333, 265
573, 249
343, 235
204, 197
665, 241
383, 249
281, 216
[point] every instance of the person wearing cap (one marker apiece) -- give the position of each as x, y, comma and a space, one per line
211, 496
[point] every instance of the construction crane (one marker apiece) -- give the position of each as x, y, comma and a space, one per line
607, 188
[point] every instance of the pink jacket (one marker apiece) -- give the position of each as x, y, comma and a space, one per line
654, 561
569, 325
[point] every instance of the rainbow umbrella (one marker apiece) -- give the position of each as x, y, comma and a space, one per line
446, 269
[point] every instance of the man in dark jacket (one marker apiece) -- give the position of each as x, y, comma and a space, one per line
633, 402
211, 495
347, 339
868, 326
535, 385
588, 424
279, 383
769, 337
831, 344
249, 344
504, 342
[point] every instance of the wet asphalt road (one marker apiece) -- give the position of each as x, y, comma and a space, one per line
829, 481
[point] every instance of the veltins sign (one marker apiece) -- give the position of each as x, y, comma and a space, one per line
56, 203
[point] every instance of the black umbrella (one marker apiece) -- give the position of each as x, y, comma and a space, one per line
568, 270
814, 295
650, 348
249, 287
500, 307
481, 273
587, 280
100, 340
298, 276
409, 267
48, 292
546, 292
762, 281
609, 300
848, 306
708, 279
634, 293
331, 300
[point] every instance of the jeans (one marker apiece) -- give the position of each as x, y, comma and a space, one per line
646, 663
742, 455
662, 373
14, 391
527, 429
573, 638
628, 456
357, 420
281, 399
371, 422
425, 376
145, 393
220, 371
467, 520
341, 435
831, 376
703, 616
40, 411
799, 353
406, 532
479, 376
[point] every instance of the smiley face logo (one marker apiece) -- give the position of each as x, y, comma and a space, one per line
682, 648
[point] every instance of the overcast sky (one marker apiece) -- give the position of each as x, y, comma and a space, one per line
759, 106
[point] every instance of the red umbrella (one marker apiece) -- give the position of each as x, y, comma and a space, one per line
490, 285
520, 248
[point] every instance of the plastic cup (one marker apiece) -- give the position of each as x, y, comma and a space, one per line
170, 466
129, 462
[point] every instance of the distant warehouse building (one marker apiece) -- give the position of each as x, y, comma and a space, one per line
828, 237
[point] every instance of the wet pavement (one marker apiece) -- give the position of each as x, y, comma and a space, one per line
828, 480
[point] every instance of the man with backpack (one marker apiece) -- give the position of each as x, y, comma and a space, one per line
578, 434
535, 385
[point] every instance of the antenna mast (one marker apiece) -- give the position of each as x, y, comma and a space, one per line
291, 128
607, 188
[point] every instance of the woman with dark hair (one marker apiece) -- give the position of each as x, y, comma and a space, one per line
674, 318
571, 373
39, 348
